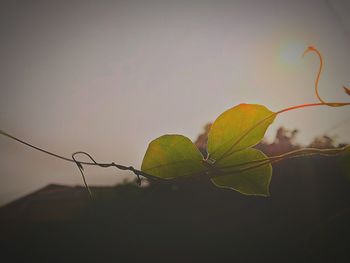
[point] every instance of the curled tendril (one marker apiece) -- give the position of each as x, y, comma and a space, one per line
318, 53
80, 164
105, 165
81, 168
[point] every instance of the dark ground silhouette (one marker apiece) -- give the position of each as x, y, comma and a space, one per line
306, 219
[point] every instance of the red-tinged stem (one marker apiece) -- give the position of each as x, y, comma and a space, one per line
335, 104
322, 103
319, 55
300, 107
315, 50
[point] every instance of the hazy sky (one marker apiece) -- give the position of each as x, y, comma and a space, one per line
107, 77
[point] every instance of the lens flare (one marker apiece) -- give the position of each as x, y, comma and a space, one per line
290, 54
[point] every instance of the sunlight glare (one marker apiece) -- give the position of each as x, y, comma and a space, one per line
291, 54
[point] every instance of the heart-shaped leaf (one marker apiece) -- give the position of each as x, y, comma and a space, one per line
238, 128
244, 171
171, 156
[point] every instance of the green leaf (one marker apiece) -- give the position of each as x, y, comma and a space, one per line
171, 156
238, 128
253, 180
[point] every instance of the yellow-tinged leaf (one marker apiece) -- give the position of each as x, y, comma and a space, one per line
171, 156
238, 128
249, 179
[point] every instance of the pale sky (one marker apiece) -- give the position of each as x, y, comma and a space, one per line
107, 77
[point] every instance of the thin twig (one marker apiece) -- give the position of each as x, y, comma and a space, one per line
243, 167
80, 164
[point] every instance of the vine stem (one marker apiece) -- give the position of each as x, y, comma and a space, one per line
246, 166
317, 79
273, 159
139, 173
80, 164
230, 152
322, 102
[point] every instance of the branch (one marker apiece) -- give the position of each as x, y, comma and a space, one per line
242, 167
80, 164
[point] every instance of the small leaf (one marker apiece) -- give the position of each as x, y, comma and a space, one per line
171, 156
347, 90
238, 128
255, 181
